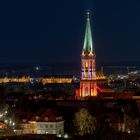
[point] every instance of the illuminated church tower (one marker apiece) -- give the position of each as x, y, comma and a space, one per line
88, 69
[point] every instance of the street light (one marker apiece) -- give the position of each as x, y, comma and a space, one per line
59, 136
66, 136
5, 112
13, 124
1, 115
6, 121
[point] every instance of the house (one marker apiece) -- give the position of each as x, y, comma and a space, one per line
46, 121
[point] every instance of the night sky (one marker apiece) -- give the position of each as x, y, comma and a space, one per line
52, 31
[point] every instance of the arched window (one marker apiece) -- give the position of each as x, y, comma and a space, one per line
86, 91
86, 64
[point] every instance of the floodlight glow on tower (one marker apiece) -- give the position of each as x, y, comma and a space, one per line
88, 85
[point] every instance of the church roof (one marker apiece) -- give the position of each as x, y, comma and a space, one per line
100, 75
88, 43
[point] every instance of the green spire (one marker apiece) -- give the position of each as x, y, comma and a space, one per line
88, 46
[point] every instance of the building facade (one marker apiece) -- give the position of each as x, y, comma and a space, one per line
43, 122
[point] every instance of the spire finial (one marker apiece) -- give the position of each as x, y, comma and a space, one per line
88, 14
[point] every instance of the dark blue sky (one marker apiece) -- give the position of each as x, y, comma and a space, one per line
53, 30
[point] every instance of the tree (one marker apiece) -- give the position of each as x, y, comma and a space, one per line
84, 122
128, 124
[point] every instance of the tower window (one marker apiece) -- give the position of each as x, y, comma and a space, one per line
86, 74
86, 64
86, 91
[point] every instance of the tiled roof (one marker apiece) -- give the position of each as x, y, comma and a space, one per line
43, 115
100, 75
49, 115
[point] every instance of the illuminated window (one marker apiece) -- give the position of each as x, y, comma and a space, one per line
86, 74
86, 64
86, 91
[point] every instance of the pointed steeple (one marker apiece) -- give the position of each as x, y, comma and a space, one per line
88, 44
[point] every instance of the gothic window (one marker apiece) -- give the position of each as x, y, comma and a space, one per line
86, 64
86, 91
86, 74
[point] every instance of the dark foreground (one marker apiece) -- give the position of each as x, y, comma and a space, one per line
99, 136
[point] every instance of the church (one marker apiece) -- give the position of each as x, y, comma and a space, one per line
89, 76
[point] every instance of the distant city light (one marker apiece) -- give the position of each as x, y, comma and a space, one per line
6, 121
59, 135
5, 112
37, 68
1, 115
66, 136
10, 122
